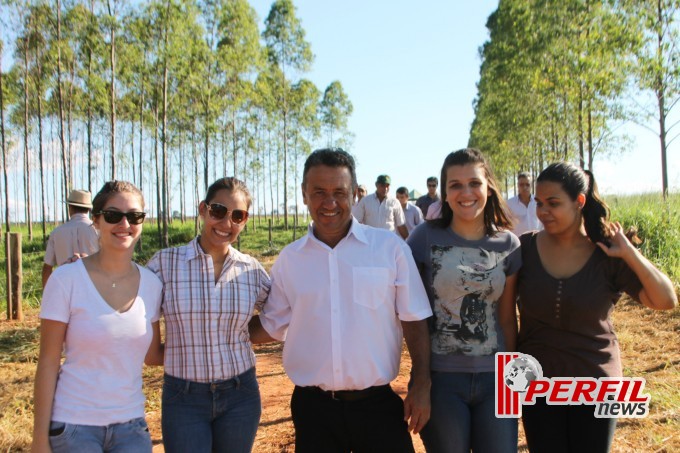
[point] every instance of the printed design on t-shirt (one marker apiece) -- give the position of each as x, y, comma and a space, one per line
467, 283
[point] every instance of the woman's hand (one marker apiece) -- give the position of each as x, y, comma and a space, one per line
620, 246
76, 256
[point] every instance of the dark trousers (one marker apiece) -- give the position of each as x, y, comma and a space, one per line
563, 429
326, 424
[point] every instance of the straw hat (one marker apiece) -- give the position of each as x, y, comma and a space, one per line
81, 198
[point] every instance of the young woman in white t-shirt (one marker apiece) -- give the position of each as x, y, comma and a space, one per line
102, 311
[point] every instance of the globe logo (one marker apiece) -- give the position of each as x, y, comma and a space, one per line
521, 371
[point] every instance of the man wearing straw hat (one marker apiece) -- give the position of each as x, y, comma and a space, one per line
77, 237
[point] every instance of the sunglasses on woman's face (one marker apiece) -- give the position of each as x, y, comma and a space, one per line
114, 217
219, 212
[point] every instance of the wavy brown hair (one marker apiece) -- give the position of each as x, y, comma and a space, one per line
497, 215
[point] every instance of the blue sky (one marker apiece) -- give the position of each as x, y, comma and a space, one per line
410, 70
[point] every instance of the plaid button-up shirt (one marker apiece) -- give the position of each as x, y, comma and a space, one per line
206, 323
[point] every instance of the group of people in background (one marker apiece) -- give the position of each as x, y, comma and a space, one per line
342, 299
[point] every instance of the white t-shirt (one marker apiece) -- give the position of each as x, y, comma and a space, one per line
100, 381
340, 309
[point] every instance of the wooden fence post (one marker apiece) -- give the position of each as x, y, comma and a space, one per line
15, 277
8, 273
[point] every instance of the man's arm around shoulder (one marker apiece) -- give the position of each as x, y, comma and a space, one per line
257, 333
46, 272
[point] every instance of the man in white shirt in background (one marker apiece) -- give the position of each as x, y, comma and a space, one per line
412, 214
380, 211
523, 207
342, 299
360, 193
77, 237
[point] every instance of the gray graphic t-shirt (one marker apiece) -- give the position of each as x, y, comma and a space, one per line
464, 282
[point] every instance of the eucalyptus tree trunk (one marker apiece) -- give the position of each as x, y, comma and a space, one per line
4, 150
89, 109
40, 152
158, 176
181, 179
112, 90
27, 166
660, 93
60, 103
194, 155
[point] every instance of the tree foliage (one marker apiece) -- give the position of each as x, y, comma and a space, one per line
556, 77
169, 94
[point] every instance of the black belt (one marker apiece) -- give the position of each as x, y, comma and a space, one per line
349, 395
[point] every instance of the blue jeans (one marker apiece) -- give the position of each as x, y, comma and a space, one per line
131, 436
218, 417
463, 416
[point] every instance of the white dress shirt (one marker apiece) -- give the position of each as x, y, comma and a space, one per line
413, 216
340, 309
524, 217
386, 214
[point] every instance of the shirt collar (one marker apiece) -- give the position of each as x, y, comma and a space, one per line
356, 230
194, 250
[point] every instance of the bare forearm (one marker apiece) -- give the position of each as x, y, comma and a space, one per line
417, 339
43, 396
658, 292
155, 356
46, 272
510, 336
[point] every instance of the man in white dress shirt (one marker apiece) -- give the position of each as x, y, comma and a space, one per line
381, 211
342, 299
412, 214
523, 207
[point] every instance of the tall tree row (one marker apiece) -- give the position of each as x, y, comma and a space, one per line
169, 94
558, 79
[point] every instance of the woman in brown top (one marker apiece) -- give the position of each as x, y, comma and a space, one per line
573, 273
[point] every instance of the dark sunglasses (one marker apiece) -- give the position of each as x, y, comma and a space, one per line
219, 212
114, 217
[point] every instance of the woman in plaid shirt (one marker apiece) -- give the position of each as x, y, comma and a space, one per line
211, 399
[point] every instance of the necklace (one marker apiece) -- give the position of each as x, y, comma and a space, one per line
120, 277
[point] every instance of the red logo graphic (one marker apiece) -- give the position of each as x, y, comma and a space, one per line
519, 380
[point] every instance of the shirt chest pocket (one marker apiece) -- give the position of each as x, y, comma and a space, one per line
372, 286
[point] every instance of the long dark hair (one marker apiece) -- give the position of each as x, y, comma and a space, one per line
575, 181
496, 212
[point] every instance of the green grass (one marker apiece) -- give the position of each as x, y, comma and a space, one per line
658, 224
254, 240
